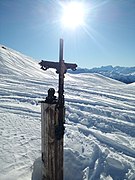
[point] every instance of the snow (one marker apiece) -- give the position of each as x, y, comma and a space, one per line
99, 140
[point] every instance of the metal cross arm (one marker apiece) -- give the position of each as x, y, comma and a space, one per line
56, 65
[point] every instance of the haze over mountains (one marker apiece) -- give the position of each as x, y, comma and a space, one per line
99, 140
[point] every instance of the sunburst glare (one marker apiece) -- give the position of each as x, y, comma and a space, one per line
73, 14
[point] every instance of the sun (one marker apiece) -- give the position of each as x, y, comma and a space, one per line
73, 14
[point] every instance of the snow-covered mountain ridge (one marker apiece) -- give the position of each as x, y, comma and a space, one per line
123, 74
99, 140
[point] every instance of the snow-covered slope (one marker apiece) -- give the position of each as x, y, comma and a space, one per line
15, 63
123, 74
100, 122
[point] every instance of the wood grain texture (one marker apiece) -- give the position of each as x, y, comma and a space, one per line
52, 149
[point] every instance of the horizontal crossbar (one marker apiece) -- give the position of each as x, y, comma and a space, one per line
56, 65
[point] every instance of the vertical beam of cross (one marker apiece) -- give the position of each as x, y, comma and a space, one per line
62, 69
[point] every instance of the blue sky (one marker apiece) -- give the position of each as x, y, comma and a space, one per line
33, 28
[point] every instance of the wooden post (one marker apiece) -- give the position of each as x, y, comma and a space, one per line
52, 149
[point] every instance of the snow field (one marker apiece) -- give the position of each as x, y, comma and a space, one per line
99, 141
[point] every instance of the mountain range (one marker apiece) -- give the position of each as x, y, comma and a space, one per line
123, 74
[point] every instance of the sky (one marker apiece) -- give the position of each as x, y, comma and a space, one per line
34, 29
